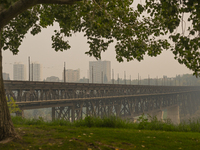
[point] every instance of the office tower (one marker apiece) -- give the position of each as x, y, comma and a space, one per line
72, 75
19, 71
100, 71
35, 72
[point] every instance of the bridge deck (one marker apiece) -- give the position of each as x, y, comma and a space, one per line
67, 102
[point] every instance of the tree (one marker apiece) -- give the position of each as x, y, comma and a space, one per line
102, 21
16, 18
13, 107
180, 21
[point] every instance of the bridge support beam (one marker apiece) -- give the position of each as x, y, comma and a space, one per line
72, 113
53, 113
173, 114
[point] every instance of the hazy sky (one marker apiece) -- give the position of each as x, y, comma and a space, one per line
39, 49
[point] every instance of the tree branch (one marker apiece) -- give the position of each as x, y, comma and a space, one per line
57, 1
20, 6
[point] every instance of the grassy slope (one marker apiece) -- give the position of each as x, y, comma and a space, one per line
84, 138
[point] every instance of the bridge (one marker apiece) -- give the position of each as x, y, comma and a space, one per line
73, 101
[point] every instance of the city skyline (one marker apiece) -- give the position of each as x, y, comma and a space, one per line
52, 61
128, 77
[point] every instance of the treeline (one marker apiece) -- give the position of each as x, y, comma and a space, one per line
179, 80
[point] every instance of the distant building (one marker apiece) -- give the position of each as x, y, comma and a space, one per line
100, 71
72, 75
6, 76
84, 80
52, 79
35, 72
19, 71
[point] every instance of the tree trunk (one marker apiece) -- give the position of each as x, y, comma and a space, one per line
6, 125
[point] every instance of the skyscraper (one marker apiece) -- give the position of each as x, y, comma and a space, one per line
100, 71
19, 71
72, 75
35, 71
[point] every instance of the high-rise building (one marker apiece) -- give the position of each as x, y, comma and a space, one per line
19, 71
6, 76
100, 71
72, 75
35, 72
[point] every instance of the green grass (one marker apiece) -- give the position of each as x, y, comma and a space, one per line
105, 134
46, 137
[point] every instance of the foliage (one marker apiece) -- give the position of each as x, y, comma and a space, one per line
165, 17
143, 123
107, 21
109, 122
13, 107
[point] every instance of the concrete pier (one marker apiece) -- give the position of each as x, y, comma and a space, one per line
158, 114
173, 114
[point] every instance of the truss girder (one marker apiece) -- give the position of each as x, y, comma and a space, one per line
128, 107
36, 91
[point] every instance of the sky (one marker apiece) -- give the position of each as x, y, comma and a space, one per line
39, 49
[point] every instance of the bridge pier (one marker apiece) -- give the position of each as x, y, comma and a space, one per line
158, 114
173, 114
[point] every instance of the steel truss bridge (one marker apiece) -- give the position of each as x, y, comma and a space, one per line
73, 101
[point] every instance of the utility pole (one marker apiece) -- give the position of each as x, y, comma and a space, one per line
92, 75
124, 77
138, 79
88, 76
102, 77
29, 69
112, 76
64, 78
32, 71
130, 79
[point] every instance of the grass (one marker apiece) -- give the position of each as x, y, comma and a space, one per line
105, 134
